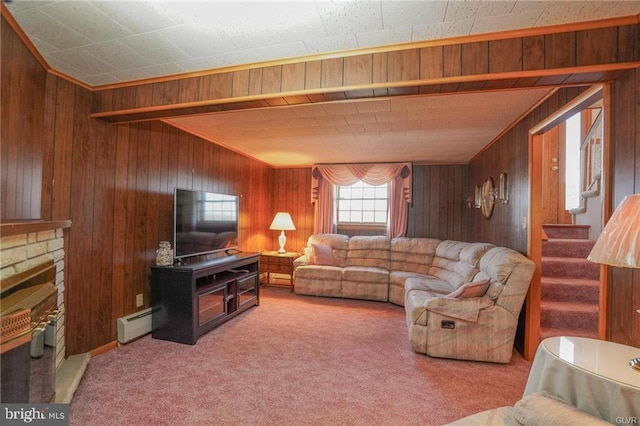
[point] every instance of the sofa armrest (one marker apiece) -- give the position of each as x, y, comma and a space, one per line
464, 309
300, 261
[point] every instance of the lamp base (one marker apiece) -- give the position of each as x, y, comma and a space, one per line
282, 240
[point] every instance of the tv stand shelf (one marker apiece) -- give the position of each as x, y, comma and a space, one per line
189, 300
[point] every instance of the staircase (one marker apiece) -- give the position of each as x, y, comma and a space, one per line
570, 283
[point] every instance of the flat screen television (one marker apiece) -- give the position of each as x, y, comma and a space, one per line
204, 222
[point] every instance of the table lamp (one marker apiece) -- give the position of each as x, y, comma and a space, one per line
282, 222
619, 243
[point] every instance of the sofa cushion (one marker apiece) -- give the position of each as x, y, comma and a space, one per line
322, 254
367, 251
542, 408
464, 309
365, 274
471, 289
412, 254
457, 262
429, 284
318, 272
338, 242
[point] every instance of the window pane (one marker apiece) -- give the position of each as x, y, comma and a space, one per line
381, 217
356, 216
381, 205
369, 192
362, 203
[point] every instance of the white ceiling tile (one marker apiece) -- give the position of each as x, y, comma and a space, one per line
19, 6
86, 19
505, 22
118, 55
348, 17
44, 27
161, 69
461, 10
408, 13
384, 37
137, 16
442, 30
332, 44
155, 47
78, 59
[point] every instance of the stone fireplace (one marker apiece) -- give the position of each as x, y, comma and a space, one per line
32, 262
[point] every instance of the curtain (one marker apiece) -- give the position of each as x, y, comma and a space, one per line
325, 176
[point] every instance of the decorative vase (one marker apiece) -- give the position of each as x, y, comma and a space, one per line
164, 254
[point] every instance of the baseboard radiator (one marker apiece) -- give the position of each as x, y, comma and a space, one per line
134, 326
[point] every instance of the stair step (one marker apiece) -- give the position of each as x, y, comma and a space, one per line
567, 247
553, 332
568, 267
566, 231
570, 290
581, 317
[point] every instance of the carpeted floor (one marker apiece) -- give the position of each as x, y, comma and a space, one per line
293, 360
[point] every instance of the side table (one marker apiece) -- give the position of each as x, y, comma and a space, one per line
277, 263
592, 375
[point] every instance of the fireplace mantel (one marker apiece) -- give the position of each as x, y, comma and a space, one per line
16, 227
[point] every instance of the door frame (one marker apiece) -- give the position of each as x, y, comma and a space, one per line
534, 237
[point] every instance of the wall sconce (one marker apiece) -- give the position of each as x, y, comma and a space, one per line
502, 195
475, 202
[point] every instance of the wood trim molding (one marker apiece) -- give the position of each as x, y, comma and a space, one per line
25, 226
585, 99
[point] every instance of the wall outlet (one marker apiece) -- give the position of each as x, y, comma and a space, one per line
139, 300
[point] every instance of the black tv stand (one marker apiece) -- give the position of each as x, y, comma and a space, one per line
191, 299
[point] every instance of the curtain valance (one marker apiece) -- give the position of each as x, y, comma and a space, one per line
373, 174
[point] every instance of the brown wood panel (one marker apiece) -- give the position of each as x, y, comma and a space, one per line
431, 62
293, 77
22, 118
240, 85
505, 55
216, 86
597, 46
189, 89
165, 93
63, 150
256, 77
452, 61
313, 75
629, 43
332, 72
475, 58
560, 50
358, 70
439, 202
403, 65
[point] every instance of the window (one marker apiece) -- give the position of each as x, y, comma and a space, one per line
363, 204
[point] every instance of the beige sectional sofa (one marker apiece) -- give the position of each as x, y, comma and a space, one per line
462, 300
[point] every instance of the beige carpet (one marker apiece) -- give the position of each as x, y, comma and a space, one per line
293, 360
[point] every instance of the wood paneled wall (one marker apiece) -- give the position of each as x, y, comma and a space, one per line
623, 322
510, 153
292, 188
21, 117
115, 183
439, 208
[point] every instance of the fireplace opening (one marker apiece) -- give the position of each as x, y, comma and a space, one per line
28, 314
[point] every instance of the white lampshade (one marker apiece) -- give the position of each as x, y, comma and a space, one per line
619, 243
282, 222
